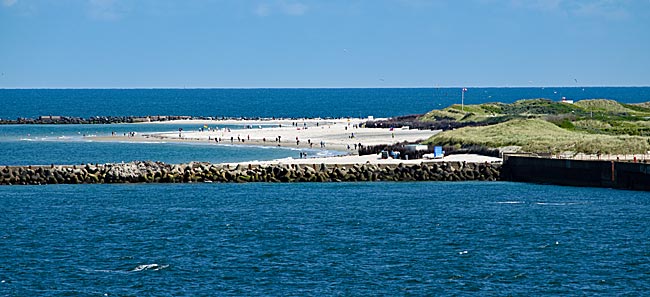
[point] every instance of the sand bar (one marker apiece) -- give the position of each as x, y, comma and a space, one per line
330, 134
341, 134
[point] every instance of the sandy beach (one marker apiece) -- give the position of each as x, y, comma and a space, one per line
344, 135
372, 159
340, 134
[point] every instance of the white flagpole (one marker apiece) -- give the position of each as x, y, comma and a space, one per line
462, 99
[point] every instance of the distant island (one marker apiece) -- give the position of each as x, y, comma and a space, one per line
539, 126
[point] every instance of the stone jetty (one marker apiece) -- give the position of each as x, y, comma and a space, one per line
197, 172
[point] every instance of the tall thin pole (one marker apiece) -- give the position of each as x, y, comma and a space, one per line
462, 99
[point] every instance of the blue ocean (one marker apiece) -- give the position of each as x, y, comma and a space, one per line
279, 102
382, 238
360, 239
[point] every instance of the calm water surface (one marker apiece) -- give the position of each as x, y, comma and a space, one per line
385, 102
65, 144
323, 239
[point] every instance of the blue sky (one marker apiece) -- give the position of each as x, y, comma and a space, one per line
327, 43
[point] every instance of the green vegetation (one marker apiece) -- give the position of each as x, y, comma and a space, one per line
612, 107
544, 126
487, 111
645, 105
535, 135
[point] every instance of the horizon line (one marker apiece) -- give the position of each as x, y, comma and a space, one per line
325, 87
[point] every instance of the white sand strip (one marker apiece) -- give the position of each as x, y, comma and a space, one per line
343, 135
373, 159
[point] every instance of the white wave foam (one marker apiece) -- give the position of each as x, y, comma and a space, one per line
142, 142
326, 153
154, 267
556, 203
509, 202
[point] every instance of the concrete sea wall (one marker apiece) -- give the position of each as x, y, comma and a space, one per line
157, 172
609, 174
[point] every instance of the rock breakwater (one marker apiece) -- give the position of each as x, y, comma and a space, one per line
194, 172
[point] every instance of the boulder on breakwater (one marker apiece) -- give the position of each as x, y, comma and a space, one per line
158, 172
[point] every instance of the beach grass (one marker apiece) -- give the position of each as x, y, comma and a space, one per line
613, 107
540, 136
487, 112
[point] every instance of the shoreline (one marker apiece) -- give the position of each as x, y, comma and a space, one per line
341, 135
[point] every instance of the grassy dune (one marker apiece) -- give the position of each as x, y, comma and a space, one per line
594, 108
488, 111
612, 107
543, 126
536, 135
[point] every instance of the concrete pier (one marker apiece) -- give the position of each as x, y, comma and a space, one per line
608, 174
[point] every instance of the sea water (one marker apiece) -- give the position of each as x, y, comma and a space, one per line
359, 239
381, 238
75, 144
279, 102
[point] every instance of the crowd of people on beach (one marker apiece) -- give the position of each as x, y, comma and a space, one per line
219, 135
